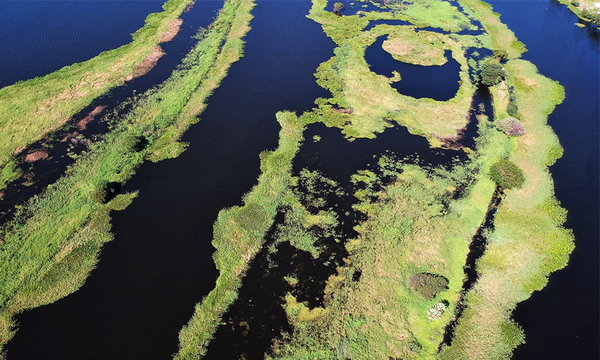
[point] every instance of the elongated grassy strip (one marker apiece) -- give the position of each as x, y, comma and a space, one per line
50, 247
501, 37
31, 109
585, 10
529, 241
239, 234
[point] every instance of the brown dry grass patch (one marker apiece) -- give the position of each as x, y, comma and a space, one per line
410, 52
148, 64
36, 155
82, 124
173, 30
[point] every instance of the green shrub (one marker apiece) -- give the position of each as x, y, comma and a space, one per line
491, 73
106, 192
512, 109
575, 3
506, 174
337, 7
427, 285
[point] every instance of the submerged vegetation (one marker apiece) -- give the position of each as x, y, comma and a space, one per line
402, 279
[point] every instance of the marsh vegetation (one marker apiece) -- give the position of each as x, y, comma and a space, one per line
369, 260
62, 231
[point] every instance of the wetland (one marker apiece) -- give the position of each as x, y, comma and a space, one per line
260, 179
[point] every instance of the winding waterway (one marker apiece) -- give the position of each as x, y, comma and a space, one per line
435, 82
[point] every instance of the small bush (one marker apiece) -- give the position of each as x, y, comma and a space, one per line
427, 285
106, 192
575, 3
491, 74
510, 126
512, 109
506, 174
337, 7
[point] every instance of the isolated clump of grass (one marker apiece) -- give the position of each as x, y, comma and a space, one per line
510, 126
507, 174
427, 285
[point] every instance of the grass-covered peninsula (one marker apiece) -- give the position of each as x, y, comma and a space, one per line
586, 10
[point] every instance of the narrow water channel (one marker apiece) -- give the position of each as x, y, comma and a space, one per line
352, 7
159, 265
561, 321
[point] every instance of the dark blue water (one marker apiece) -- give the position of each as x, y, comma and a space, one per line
562, 321
159, 265
435, 82
374, 23
351, 7
39, 37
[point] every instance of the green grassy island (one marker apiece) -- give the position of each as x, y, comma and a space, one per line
411, 247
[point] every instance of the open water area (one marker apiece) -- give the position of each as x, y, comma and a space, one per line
65, 143
39, 37
160, 263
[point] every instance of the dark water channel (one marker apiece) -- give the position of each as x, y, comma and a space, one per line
436, 82
159, 265
39, 37
562, 321
374, 23
72, 140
